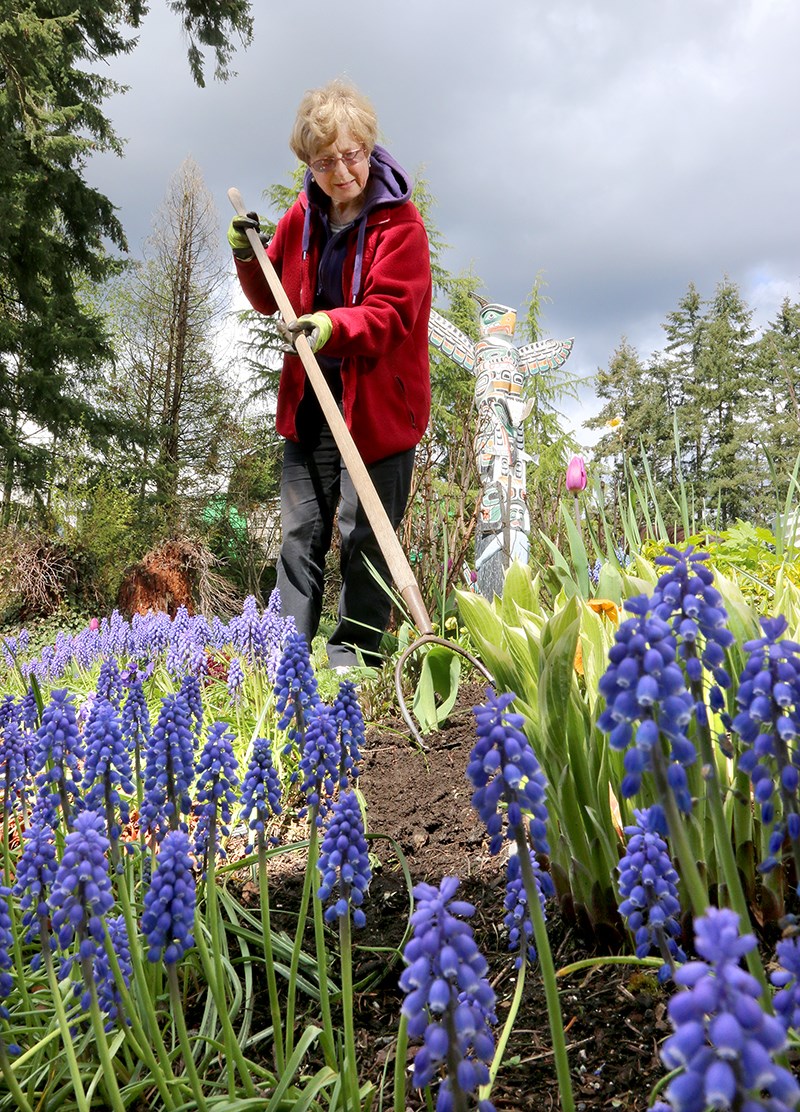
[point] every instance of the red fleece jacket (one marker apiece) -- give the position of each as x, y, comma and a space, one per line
382, 339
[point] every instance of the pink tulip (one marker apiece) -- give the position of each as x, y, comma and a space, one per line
576, 474
94, 623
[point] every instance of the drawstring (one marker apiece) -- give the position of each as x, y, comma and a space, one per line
306, 231
362, 231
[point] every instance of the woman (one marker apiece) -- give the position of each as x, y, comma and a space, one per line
352, 254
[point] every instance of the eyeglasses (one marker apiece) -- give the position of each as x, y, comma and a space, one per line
349, 158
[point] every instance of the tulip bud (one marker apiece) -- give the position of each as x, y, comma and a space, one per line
576, 474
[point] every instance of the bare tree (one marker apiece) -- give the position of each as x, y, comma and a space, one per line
167, 379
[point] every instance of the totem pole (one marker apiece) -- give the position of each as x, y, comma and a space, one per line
502, 372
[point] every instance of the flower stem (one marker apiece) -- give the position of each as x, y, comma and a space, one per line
724, 841
58, 1004
12, 1084
295, 960
109, 1073
689, 873
327, 1039
548, 975
351, 1064
508, 1026
235, 1058
400, 1056
183, 1036
266, 930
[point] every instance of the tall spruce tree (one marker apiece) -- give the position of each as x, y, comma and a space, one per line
777, 394
54, 228
726, 369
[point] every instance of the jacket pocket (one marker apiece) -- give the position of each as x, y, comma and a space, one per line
401, 386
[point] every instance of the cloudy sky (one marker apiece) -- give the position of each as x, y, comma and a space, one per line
620, 148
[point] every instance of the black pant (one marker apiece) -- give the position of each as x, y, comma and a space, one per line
313, 483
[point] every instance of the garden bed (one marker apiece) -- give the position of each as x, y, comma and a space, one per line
615, 1018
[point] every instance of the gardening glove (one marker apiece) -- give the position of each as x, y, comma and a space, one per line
316, 327
237, 236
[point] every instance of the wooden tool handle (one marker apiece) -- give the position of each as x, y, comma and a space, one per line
382, 527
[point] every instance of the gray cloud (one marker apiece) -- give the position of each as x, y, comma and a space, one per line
622, 149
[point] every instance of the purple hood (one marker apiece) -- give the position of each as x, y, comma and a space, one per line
388, 184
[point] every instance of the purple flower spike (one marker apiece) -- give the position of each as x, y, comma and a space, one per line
724, 1044
768, 725
648, 885
169, 903
261, 790
6, 948
107, 770
517, 920
169, 768
686, 598
36, 871
13, 762
646, 698
235, 679
787, 981
82, 895
58, 743
319, 764
217, 780
348, 714
344, 861
503, 769
295, 687
108, 995
449, 1002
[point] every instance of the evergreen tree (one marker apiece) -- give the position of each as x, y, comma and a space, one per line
725, 367
777, 395
683, 384
54, 228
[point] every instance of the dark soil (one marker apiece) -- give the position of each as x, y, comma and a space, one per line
418, 803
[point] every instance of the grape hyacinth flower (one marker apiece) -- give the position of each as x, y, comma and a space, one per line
319, 764
13, 765
648, 886
169, 903
6, 947
644, 687
261, 789
503, 769
516, 919
169, 768
59, 752
109, 682
686, 598
108, 995
344, 861
81, 895
36, 871
295, 688
107, 770
179, 652
190, 690
448, 997
787, 980
768, 724
235, 681
217, 780
247, 632
724, 1043
135, 723
348, 714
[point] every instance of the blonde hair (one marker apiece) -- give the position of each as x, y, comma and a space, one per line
325, 112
